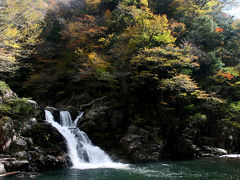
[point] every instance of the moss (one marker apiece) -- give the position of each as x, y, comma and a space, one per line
3, 87
18, 108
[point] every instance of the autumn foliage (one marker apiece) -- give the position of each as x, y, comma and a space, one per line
219, 29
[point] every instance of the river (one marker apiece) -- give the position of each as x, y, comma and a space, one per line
199, 169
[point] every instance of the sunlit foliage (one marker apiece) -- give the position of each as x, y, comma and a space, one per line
20, 27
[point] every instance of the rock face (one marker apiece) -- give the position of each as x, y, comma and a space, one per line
34, 149
27, 143
6, 134
142, 145
102, 115
190, 144
46, 147
106, 122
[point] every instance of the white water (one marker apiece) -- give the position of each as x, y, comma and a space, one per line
82, 153
230, 156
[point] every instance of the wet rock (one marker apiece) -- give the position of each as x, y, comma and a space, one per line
186, 149
21, 155
212, 151
142, 145
47, 138
62, 160
41, 161
2, 169
18, 165
28, 175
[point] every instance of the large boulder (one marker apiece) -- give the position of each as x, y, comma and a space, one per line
186, 148
17, 145
17, 165
47, 138
95, 118
143, 145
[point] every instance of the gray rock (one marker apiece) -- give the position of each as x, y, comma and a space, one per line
2, 169
21, 142
212, 151
18, 165
51, 109
33, 103
21, 155
186, 148
33, 120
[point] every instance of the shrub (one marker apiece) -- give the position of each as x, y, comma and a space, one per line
3, 87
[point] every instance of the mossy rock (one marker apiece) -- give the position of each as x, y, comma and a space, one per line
18, 108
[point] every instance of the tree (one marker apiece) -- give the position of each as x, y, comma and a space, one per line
149, 31
203, 33
164, 62
82, 32
20, 27
187, 10
162, 6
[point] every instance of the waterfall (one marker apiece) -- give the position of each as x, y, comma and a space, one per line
82, 153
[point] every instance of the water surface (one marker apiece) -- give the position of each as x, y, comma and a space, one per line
202, 169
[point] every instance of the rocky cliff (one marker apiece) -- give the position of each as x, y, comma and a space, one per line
26, 142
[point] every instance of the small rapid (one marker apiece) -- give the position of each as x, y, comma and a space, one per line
82, 153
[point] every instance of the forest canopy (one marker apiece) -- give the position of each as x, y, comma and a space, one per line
163, 57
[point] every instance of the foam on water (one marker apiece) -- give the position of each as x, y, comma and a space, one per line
230, 156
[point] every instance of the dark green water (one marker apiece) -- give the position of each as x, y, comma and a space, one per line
213, 169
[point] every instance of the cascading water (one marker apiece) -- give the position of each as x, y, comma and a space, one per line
82, 153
